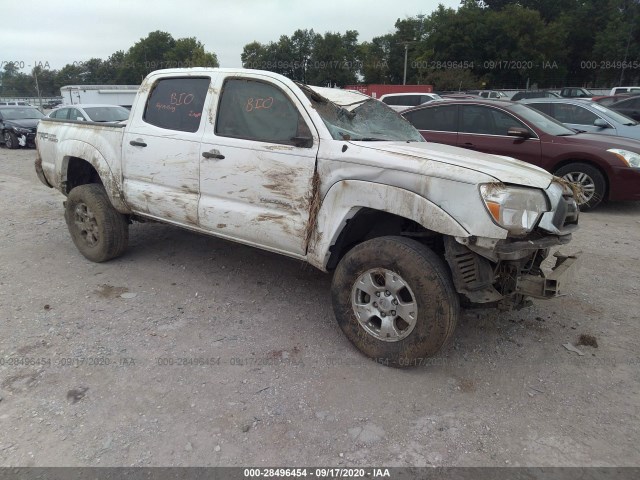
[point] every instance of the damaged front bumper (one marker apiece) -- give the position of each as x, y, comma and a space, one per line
26, 137
553, 283
508, 277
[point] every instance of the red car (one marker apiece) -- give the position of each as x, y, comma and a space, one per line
606, 167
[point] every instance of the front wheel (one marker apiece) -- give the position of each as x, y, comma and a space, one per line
97, 229
10, 140
592, 186
394, 300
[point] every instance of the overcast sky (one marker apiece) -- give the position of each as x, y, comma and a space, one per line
66, 31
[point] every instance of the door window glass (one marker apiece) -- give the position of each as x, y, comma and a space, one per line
441, 119
176, 103
487, 121
575, 114
259, 111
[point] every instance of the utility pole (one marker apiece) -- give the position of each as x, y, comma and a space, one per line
406, 51
35, 74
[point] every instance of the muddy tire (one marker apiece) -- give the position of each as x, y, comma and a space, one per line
590, 181
395, 301
97, 229
10, 140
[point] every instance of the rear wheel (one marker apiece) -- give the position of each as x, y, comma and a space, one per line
394, 300
97, 229
590, 181
10, 140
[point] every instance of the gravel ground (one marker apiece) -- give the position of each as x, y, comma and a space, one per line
190, 350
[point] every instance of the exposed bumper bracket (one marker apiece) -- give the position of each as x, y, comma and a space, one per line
553, 283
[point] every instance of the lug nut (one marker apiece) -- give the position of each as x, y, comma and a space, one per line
375, 304
387, 293
377, 294
393, 313
395, 302
382, 314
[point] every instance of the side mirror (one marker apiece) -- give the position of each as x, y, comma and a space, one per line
518, 132
598, 122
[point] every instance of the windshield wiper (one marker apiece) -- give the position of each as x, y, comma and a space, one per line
370, 139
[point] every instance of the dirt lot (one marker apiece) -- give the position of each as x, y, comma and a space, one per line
191, 350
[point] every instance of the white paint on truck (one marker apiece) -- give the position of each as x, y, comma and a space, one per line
320, 175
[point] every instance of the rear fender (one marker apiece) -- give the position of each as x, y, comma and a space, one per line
87, 152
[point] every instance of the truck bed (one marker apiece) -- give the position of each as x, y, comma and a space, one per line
61, 140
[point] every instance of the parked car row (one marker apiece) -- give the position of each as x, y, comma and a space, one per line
91, 113
604, 167
18, 123
585, 116
580, 140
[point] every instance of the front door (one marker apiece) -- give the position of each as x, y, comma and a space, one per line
485, 129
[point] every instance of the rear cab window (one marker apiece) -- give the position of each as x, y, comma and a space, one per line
177, 103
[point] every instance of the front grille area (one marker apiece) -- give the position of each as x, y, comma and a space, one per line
563, 217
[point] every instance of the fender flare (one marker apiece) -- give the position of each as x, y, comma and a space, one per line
90, 154
345, 198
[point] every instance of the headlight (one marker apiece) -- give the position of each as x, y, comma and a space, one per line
630, 158
515, 208
24, 131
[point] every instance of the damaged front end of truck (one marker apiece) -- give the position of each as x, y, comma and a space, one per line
506, 272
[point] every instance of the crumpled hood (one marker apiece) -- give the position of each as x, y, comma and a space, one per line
504, 169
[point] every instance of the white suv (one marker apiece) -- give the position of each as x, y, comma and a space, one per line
402, 101
619, 90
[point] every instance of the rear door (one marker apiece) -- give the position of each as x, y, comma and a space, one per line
161, 150
485, 129
257, 164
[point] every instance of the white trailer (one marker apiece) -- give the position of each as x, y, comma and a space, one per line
122, 95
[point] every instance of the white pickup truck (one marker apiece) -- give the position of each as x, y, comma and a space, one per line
411, 230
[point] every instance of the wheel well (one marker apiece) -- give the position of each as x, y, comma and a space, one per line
368, 223
586, 162
80, 172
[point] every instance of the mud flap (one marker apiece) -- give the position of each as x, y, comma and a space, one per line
555, 282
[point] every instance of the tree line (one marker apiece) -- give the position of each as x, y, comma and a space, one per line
157, 50
480, 44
